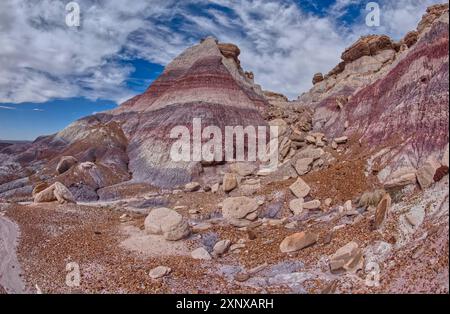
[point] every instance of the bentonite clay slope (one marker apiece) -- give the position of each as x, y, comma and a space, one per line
405, 111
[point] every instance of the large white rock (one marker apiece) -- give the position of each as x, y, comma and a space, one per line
167, 222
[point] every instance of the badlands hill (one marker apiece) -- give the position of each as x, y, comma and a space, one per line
361, 189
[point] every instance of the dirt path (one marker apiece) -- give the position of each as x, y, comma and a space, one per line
10, 279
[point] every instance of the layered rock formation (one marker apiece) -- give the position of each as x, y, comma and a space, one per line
133, 141
395, 103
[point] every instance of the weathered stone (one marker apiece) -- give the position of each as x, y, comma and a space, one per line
296, 206
215, 188
221, 247
243, 169
201, 254
46, 195
427, 173
282, 126
341, 140
401, 177
160, 272
310, 152
348, 258
41, 186
65, 164
300, 188
229, 182
303, 166
382, 209
238, 207
310, 139
328, 202
62, 194
298, 241
348, 206
168, 223
312, 205
192, 187
318, 77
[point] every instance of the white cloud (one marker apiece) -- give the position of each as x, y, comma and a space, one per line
41, 58
7, 108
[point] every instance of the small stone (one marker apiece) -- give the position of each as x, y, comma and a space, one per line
215, 188
303, 166
237, 246
312, 205
243, 169
298, 241
238, 207
221, 247
310, 139
341, 140
201, 227
194, 211
348, 258
167, 222
229, 182
242, 277
328, 202
430, 172
300, 188
201, 254
382, 209
291, 225
296, 206
159, 272
348, 206
192, 187
252, 216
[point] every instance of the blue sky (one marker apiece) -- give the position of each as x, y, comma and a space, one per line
51, 74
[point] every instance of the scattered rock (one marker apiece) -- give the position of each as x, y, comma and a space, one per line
242, 277
168, 223
382, 210
312, 205
341, 140
328, 202
311, 152
348, 258
229, 182
159, 272
318, 77
215, 188
55, 192
221, 247
243, 169
300, 188
41, 186
192, 187
429, 173
296, 206
298, 241
201, 227
303, 166
401, 178
348, 206
65, 164
238, 207
62, 194
201, 254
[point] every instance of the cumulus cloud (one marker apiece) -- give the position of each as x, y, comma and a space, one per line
41, 58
